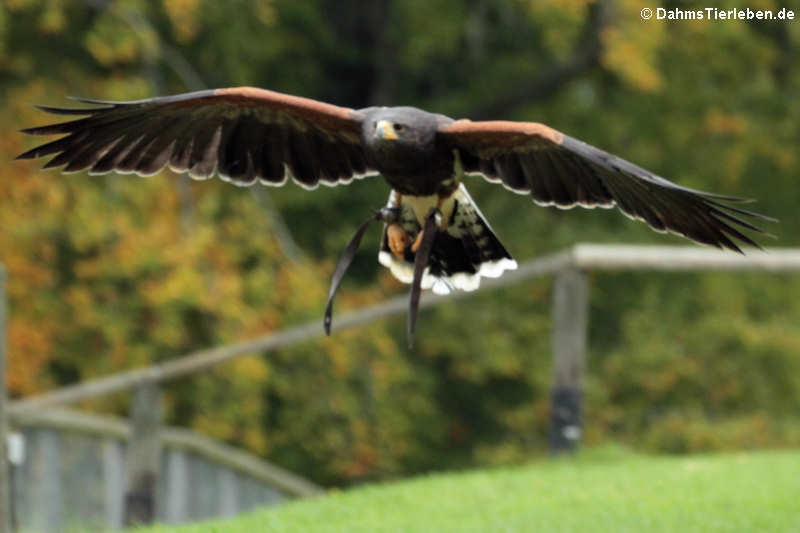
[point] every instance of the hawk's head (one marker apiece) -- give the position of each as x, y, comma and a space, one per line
400, 129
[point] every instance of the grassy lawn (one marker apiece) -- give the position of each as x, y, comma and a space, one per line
601, 490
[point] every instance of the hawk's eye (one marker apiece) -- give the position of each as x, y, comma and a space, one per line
399, 127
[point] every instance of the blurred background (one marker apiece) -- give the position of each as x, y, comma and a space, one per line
111, 272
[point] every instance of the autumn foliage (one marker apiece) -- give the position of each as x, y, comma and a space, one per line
111, 272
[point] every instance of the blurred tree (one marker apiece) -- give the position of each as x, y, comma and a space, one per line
113, 272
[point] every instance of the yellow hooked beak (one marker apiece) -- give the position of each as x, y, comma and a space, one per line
385, 130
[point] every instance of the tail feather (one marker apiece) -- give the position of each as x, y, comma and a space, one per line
464, 252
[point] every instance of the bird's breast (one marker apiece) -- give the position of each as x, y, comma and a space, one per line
415, 173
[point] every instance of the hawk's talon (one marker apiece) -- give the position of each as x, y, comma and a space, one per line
417, 241
397, 239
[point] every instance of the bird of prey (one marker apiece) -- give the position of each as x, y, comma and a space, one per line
434, 235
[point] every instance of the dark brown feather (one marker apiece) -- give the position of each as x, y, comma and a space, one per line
181, 153
508, 165
272, 160
111, 159
566, 172
242, 133
203, 162
156, 156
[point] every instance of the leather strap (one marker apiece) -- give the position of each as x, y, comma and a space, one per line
388, 215
420, 262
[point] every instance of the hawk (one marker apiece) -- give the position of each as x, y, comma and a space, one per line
434, 235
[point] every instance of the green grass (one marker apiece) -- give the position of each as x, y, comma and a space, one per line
602, 490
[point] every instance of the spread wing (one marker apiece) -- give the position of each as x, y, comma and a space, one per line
242, 134
555, 169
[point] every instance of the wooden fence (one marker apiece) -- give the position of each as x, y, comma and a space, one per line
569, 341
73, 475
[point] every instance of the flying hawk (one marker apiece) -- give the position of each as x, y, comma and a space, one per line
434, 235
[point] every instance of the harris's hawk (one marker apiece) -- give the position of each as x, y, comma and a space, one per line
435, 236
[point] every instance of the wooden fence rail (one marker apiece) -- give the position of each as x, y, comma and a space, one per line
66, 447
69, 420
581, 257
570, 322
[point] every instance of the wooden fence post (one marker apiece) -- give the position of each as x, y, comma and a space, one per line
114, 482
570, 321
228, 492
48, 499
177, 491
143, 455
5, 485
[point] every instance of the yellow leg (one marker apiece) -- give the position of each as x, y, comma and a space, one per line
395, 234
418, 240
